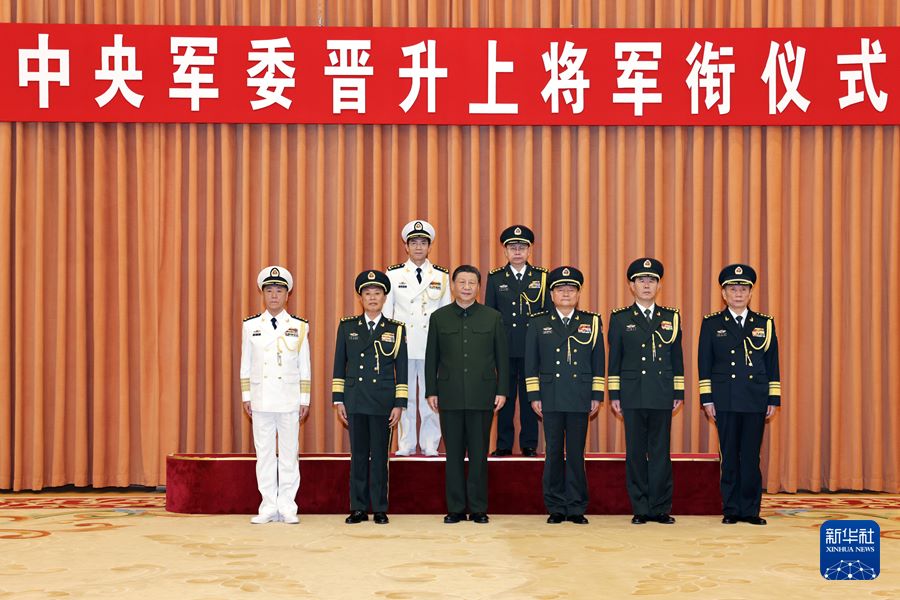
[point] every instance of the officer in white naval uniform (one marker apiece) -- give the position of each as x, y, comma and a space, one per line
275, 380
418, 288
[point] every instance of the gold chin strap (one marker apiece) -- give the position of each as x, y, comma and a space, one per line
764, 345
590, 341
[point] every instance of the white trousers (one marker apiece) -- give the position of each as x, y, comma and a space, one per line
278, 477
429, 435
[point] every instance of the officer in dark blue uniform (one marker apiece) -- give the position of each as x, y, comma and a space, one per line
564, 368
740, 387
646, 385
518, 290
369, 391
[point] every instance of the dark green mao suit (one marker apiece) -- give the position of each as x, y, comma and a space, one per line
564, 367
646, 374
466, 367
370, 379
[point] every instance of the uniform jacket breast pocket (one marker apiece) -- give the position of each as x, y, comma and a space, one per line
449, 330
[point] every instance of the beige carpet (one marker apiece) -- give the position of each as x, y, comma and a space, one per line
93, 550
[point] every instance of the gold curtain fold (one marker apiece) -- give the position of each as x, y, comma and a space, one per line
130, 251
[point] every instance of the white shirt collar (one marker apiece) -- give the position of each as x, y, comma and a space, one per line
412, 266
742, 315
376, 319
522, 272
281, 317
568, 316
642, 310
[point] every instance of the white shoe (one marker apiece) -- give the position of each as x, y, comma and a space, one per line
404, 452
262, 519
290, 519
431, 453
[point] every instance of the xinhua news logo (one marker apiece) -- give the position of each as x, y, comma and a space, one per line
850, 550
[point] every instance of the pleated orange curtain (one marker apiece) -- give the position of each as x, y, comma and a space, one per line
129, 251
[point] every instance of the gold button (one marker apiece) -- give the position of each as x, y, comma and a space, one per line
575, 363
643, 372
643, 345
557, 349
733, 375
360, 378
557, 374
643, 358
732, 351
751, 377
374, 381
574, 375
557, 362
514, 314
514, 324
732, 363
575, 351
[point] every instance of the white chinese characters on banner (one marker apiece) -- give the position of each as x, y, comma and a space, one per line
569, 79
495, 67
417, 73
118, 67
712, 76
44, 75
868, 56
349, 59
632, 76
791, 80
189, 71
271, 74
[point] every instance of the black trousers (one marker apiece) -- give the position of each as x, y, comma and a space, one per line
740, 439
565, 481
369, 440
466, 432
648, 465
506, 427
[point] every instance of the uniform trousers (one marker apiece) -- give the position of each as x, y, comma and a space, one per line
429, 435
565, 481
648, 465
740, 439
466, 432
369, 439
278, 477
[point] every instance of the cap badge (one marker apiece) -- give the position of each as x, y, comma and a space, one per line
517, 231
738, 270
274, 272
418, 226
647, 264
371, 276
566, 272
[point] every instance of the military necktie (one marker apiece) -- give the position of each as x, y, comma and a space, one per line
565, 321
519, 276
371, 327
648, 315
419, 274
739, 320
274, 323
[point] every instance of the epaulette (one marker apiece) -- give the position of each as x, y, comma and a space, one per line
395, 267
252, 316
497, 270
440, 268
299, 318
765, 315
672, 308
349, 318
539, 314
588, 312
541, 269
395, 321
621, 309
715, 314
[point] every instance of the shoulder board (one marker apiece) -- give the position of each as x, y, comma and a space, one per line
711, 315
587, 312
349, 318
620, 309
299, 318
765, 315
440, 268
540, 314
497, 270
395, 267
395, 322
252, 317
541, 269
672, 308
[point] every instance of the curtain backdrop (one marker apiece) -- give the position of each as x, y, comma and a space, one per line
129, 252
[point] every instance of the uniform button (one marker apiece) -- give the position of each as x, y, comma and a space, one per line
557, 349
514, 314
465, 341
643, 372
465, 356
465, 370
360, 366
660, 372
574, 375
575, 363
557, 374
374, 381
643, 345
733, 375
557, 362
732, 363
751, 377
360, 378
732, 351
514, 303
751, 352
514, 324
362, 354
575, 351
643, 358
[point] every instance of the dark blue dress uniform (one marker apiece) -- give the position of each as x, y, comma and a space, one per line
564, 368
646, 375
739, 374
370, 380
517, 299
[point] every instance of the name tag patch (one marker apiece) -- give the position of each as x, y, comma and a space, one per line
257, 333
402, 285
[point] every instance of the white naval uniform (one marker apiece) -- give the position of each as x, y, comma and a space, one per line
412, 303
275, 379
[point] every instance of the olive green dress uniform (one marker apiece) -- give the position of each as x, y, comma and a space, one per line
466, 367
646, 375
739, 374
369, 378
564, 369
517, 299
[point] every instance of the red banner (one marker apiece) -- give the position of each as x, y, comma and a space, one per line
134, 73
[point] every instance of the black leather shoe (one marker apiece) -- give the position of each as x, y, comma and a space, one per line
381, 518
556, 518
754, 520
454, 518
501, 452
638, 520
356, 516
664, 518
577, 519
729, 519
529, 452
481, 518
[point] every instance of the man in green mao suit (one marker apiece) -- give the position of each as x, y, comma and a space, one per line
466, 379
646, 385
